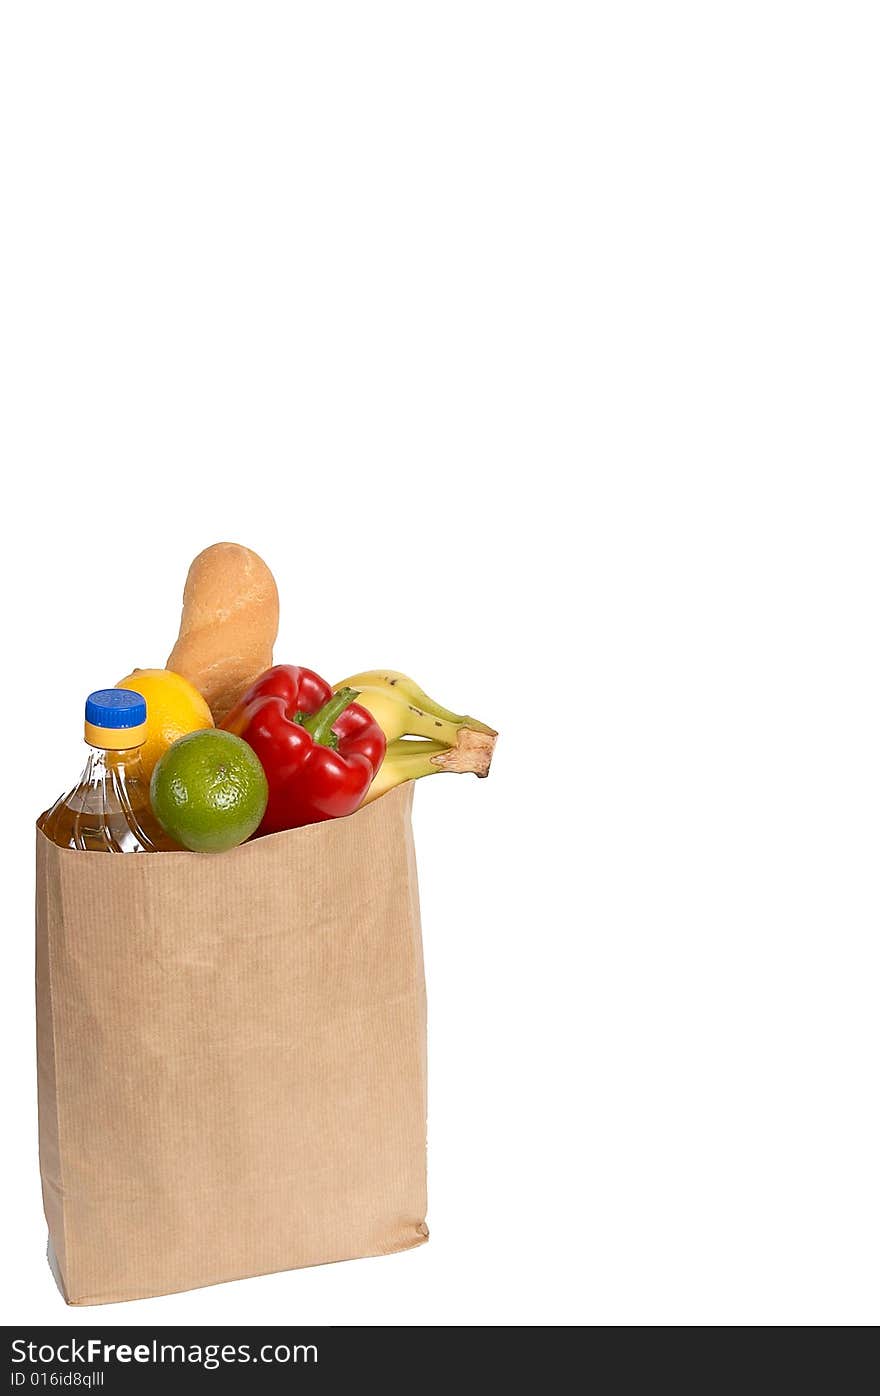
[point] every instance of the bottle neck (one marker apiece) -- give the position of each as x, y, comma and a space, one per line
105, 759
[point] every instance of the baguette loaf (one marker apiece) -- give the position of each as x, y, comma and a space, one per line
228, 626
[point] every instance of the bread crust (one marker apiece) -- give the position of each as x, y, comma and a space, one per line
229, 624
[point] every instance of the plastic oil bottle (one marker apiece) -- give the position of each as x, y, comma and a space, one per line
108, 811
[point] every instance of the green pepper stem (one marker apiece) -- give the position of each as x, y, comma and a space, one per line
320, 724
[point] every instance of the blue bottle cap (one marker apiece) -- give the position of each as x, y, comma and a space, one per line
115, 707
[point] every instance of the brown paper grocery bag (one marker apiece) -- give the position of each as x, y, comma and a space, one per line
231, 1056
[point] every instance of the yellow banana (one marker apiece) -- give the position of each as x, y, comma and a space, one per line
410, 760
395, 698
399, 718
402, 709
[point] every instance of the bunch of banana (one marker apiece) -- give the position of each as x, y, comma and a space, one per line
450, 741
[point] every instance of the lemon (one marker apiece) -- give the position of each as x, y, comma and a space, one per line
174, 708
209, 791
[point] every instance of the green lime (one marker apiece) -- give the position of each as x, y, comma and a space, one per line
209, 791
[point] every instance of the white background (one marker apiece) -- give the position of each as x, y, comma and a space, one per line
535, 346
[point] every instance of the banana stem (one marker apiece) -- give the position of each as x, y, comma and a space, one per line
459, 719
413, 757
472, 752
422, 722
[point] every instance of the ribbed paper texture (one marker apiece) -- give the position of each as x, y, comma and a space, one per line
231, 1056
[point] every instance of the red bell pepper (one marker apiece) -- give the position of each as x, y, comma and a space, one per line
320, 750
